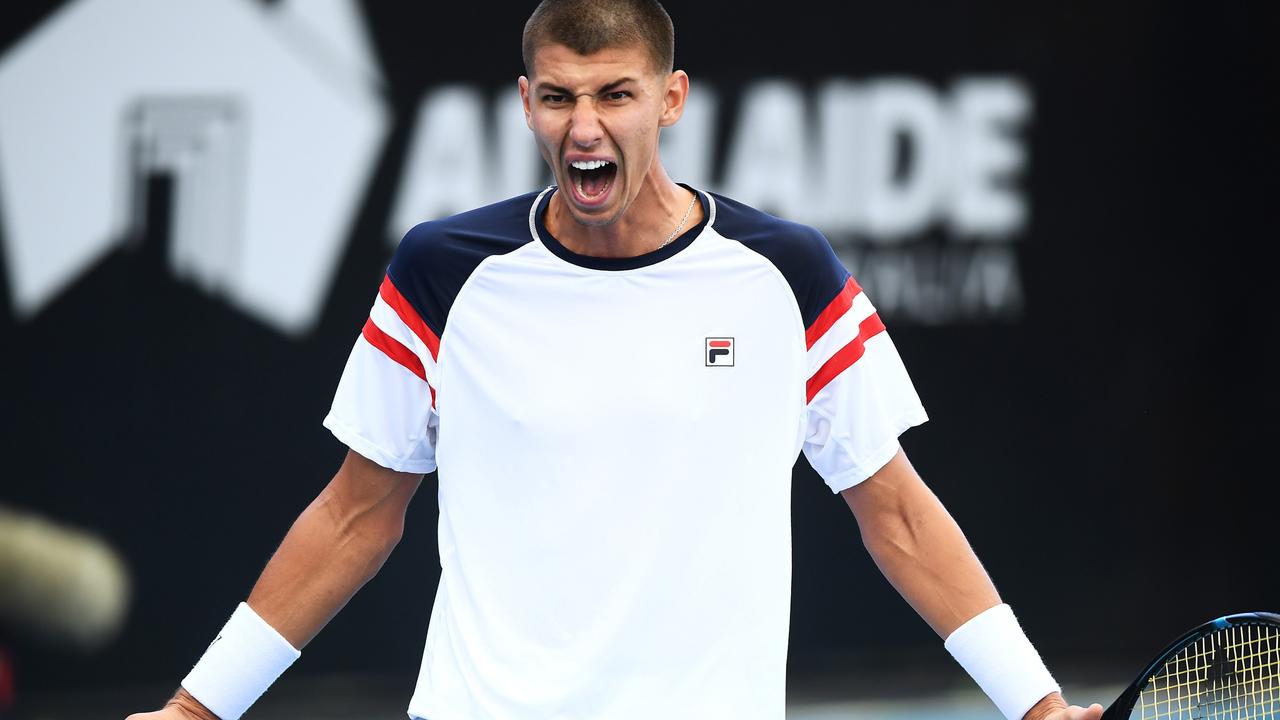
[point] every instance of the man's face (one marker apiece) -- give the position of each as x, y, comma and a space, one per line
596, 120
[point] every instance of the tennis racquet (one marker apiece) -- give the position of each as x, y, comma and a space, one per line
1226, 669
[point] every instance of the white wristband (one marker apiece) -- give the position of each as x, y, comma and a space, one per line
240, 664
997, 655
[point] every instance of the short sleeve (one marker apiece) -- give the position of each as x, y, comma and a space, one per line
860, 397
384, 408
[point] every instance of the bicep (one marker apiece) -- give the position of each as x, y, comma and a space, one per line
363, 489
892, 493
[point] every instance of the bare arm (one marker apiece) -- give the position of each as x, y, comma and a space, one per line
335, 546
919, 548
922, 552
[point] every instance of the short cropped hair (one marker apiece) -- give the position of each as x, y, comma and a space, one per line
589, 26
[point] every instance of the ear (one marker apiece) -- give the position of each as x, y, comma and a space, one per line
523, 82
676, 92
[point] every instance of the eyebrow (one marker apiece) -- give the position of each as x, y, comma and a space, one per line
548, 87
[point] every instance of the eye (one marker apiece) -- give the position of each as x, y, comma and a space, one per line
554, 99
617, 95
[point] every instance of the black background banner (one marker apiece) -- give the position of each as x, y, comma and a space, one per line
1107, 447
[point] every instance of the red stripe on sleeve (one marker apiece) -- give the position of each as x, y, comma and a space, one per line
409, 316
828, 317
720, 343
396, 350
393, 349
845, 357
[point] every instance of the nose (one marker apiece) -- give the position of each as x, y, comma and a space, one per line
584, 129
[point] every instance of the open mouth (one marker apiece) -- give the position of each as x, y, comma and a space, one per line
592, 178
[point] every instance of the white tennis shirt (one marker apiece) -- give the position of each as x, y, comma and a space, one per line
615, 439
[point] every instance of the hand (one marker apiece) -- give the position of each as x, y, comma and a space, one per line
180, 707
1054, 707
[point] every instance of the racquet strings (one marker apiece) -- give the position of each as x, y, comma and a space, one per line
1229, 674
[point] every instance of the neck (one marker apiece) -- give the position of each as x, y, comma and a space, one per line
645, 224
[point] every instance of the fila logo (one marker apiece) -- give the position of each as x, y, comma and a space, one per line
719, 352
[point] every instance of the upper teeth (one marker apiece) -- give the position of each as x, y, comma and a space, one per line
589, 164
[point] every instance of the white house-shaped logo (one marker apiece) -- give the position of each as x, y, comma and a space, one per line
266, 119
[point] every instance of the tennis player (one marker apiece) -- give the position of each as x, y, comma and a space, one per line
614, 376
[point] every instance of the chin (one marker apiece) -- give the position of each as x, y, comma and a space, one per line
594, 220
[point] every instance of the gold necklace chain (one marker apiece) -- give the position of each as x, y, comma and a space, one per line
683, 220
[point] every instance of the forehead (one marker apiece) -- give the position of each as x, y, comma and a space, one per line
556, 64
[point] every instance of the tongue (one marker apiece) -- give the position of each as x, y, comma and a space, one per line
594, 182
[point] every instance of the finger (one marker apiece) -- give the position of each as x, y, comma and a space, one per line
1075, 712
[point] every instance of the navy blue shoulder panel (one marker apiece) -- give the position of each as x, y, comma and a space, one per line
800, 252
435, 258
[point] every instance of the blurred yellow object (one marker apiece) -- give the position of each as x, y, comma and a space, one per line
58, 584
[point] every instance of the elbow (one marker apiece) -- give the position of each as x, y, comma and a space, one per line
379, 536
391, 537
892, 535
368, 547
365, 536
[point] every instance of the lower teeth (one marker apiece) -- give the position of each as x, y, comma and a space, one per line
584, 194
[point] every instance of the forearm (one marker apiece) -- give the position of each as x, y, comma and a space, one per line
318, 567
321, 563
335, 546
920, 548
